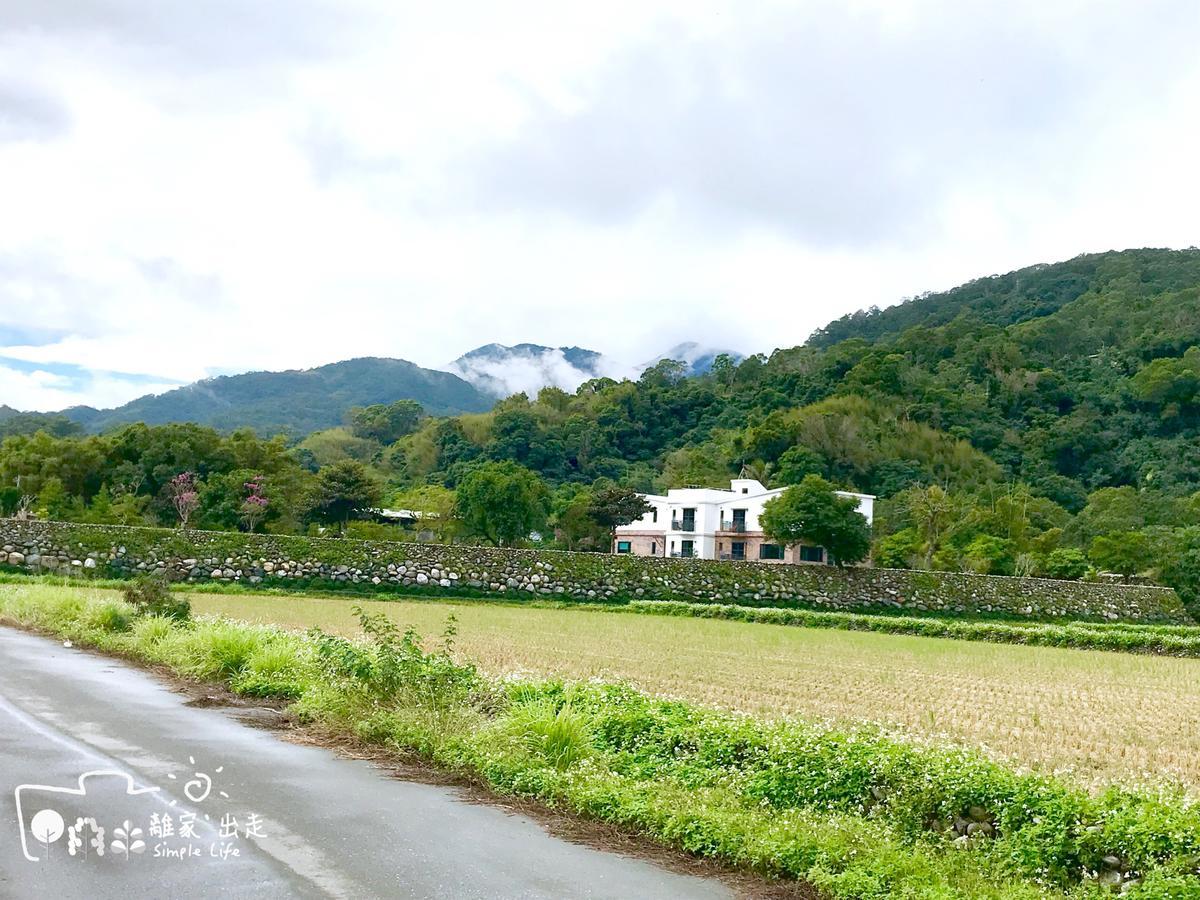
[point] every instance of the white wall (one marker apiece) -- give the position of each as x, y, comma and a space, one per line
713, 507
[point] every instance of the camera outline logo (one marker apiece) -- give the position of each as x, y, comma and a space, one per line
54, 818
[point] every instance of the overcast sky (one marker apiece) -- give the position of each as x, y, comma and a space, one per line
197, 188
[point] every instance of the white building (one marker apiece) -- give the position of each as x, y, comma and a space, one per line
707, 523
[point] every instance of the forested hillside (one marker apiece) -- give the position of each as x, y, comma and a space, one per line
1041, 421
295, 402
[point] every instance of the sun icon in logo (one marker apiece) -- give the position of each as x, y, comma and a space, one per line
199, 786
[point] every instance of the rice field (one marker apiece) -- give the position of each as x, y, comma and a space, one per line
1103, 717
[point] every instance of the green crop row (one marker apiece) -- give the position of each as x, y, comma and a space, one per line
1165, 640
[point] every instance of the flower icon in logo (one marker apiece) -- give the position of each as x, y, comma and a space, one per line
127, 839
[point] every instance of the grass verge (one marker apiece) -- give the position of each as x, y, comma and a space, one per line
854, 812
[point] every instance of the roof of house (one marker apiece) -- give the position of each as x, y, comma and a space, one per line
720, 495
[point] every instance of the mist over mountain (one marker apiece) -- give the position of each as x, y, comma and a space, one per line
501, 371
697, 357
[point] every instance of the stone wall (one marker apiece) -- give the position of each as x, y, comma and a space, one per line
300, 561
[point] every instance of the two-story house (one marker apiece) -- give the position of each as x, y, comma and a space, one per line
708, 523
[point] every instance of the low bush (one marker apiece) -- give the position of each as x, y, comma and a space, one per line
550, 730
219, 650
278, 669
151, 596
391, 664
855, 812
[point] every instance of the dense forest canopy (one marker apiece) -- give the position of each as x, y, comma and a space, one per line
1002, 422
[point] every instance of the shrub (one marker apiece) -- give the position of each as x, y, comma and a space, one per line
553, 731
107, 616
279, 669
152, 596
149, 631
901, 550
989, 555
221, 649
391, 664
1066, 563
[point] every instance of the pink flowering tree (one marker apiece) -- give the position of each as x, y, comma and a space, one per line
254, 507
184, 496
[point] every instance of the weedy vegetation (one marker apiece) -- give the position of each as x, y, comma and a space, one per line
854, 811
1105, 717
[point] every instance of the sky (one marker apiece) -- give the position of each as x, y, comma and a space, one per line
193, 189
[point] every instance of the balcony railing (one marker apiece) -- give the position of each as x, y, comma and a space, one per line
683, 524
736, 525
735, 557
683, 554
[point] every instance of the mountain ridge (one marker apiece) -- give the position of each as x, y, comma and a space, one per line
316, 398
298, 402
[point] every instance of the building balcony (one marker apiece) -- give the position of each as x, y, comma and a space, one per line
734, 527
683, 554
688, 525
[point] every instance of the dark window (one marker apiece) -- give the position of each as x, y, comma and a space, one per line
739, 520
654, 514
623, 546
812, 554
686, 548
654, 548
745, 490
770, 551
739, 549
689, 520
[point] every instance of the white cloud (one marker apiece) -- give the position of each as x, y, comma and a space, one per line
43, 390
188, 193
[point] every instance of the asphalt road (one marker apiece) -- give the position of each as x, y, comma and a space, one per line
85, 740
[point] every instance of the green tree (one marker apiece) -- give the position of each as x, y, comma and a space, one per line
1067, 563
575, 528
987, 554
386, 422
1125, 553
902, 550
502, 502
53, 501
1179, 565
1171, 383
933, 511
343, 491
335, 445
704, 465
797, 462
813, 513
435, 505
614, 506
1115, 509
